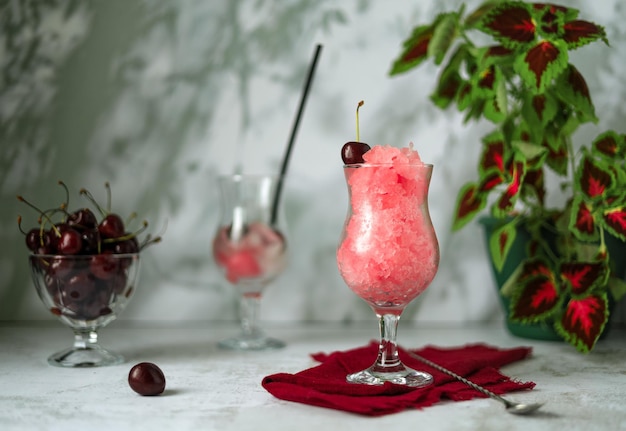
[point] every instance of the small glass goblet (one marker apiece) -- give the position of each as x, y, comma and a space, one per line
249, 247
388, 254
86, 292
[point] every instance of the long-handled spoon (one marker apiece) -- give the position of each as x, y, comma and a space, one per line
511, 407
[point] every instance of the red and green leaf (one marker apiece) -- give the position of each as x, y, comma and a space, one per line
415, 50
536, 299
609, 144
470, 202
614, 221
507, 200
572, 88
511, 24
493, 153
534, 267
550, 19
490, 180
578, 33
447, 89
500, 243
485, 82
541, 8
583, 277
542, 63
582, 221
583, 321
593, 178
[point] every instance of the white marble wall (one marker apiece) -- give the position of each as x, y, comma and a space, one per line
158, 97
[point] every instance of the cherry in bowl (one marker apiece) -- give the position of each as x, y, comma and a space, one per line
86, 293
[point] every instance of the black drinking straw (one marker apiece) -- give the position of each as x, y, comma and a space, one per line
294, 131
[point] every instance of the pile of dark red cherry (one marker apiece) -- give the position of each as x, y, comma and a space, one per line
84, 262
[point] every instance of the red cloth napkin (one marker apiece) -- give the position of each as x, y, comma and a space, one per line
325, 385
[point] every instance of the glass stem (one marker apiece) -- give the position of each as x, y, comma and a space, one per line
249, 312
85, 339
388, 358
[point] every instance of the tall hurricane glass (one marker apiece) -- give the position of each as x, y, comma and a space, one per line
250, 248
388, 254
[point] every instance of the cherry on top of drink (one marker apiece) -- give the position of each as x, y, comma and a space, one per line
352, 152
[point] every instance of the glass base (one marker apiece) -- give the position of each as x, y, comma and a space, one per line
85, 357
251, 343
405, 377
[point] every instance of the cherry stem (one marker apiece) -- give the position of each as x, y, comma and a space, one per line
358, 137
107, 186
143, 227
91, 199
66, 204
42, 214
19, 225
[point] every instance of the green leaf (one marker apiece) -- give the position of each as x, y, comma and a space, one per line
572, 88
501, 99
542, 63
529, 150
508, 287
617, 287
464, 96
557, 158
500, 243
538, 110
444, 33
474, 110
492, 111
478, 14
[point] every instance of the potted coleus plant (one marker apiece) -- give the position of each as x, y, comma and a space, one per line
523, 82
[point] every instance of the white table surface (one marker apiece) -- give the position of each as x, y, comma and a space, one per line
211, 389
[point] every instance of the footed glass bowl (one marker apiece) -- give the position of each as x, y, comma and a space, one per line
86, 292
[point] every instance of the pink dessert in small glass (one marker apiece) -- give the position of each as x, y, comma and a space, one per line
251, 257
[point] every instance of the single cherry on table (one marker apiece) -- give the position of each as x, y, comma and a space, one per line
146, 379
